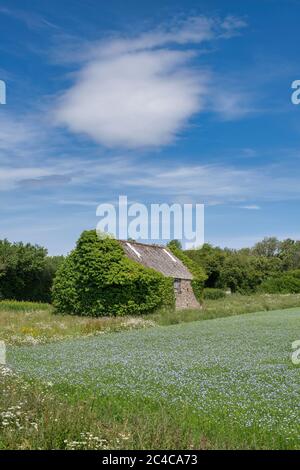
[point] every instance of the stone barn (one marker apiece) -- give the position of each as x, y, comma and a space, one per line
161, 259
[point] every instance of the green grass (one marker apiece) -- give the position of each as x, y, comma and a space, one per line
23, 307
223, 383
34, 323
234, 304
33, 417
30, 323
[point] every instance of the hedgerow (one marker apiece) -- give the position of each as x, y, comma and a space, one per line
98, 279
214, 294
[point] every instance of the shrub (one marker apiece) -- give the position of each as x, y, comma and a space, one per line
97, 279
214, 294
286, 283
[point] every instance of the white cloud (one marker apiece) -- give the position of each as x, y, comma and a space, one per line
251, 207
15, 133
211, 184
232, 25
134, 100
203, 180
229, 104
141, 92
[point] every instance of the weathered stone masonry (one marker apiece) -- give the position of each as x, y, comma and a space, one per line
184, 294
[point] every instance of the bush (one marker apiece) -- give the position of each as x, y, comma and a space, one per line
286, 283
214, 294
97, 279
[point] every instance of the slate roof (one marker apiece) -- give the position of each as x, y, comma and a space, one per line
157, 257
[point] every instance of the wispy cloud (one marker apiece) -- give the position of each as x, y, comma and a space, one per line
10, 177
142, 91
83, 180
33, 158
31, 19
251, 207
43, 182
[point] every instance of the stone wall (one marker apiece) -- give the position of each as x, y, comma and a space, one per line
185, 297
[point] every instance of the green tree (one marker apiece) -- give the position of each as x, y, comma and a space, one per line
211, 259
175, 244
289, 253
26, 273
268, 247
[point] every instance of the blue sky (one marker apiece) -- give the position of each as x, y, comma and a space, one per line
165, 101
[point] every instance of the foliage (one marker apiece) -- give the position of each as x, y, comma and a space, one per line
246, 269
268, 247
176, 244
290, 254
44, 285
211, 260
214, 294
26, 273
197, 271
244, 274
98, 279
286, 283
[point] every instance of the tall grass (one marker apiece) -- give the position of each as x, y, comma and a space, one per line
16, 306
33, 323
33, 417
234, 304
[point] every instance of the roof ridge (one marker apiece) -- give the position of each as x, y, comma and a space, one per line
154, 245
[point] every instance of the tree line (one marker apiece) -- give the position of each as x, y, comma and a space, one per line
270, 265
27, 272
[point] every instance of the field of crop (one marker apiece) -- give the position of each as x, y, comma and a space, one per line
222, 383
